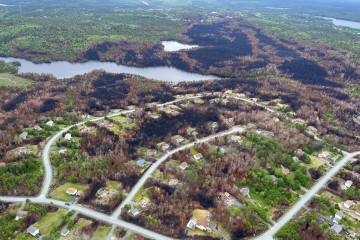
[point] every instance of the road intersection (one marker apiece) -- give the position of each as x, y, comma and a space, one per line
113, 219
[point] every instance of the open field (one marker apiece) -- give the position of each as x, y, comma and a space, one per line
9, 80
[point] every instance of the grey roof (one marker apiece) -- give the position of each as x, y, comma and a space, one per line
21, 213
64, 232
134, 211
336, 228
319, 221
32, 229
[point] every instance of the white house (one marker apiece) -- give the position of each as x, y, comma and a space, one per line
68, 137
348, 204
348, 183
33, 230
24, 135
198, 156
338, 216
62, 150
183, 166
50, 123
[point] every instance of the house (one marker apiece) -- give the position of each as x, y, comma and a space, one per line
295, 158
285, 171
127, 121
151, 153
254, 99
319, 221
21, 151
144, 202
342, 186
50, 123
163, 146
245, 191
59, 118
348, 183
241, 95
313, 129
20, 214
324, 154
141, 162
134, 211
336, 229
213, 125
235, 139
338, 216
64, 232
198, 156
204, 225
71, 191
33, 231
299, 120
274, 178
173, 182
86, 115
348, 204
191, 224
299, 152
357, 212
179, 140
68, 137
183, 166
37, 128
229, 121
228, 91
24, 135
62, 150
79, 193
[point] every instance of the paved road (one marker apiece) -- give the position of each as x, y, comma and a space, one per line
46, 152
42, 198
153, 167
92, 214
304, 199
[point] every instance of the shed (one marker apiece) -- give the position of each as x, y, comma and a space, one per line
141, 162
64, 232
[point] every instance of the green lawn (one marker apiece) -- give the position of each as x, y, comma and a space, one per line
14, 81
50, 220
141, 194
112, 185
60, 192
315, 162
101, 232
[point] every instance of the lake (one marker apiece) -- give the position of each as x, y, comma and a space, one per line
172, 46
63, 69
344, 23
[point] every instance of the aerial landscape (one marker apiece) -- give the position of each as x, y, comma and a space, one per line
169, 119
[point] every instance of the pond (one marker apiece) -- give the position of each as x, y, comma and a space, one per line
172, 46
63, 69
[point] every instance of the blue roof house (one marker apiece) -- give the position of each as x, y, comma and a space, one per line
141, 162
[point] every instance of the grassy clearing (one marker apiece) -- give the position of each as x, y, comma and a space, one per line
50, 220
60, 192
101, 232
143, 193
9, 80
315, 162
200, 214
112, 185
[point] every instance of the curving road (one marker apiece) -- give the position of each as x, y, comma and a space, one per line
42, 198
153, 167
305, 198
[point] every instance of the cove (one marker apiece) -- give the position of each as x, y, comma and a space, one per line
63, 69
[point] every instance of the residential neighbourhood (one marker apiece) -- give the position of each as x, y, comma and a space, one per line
179, 160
